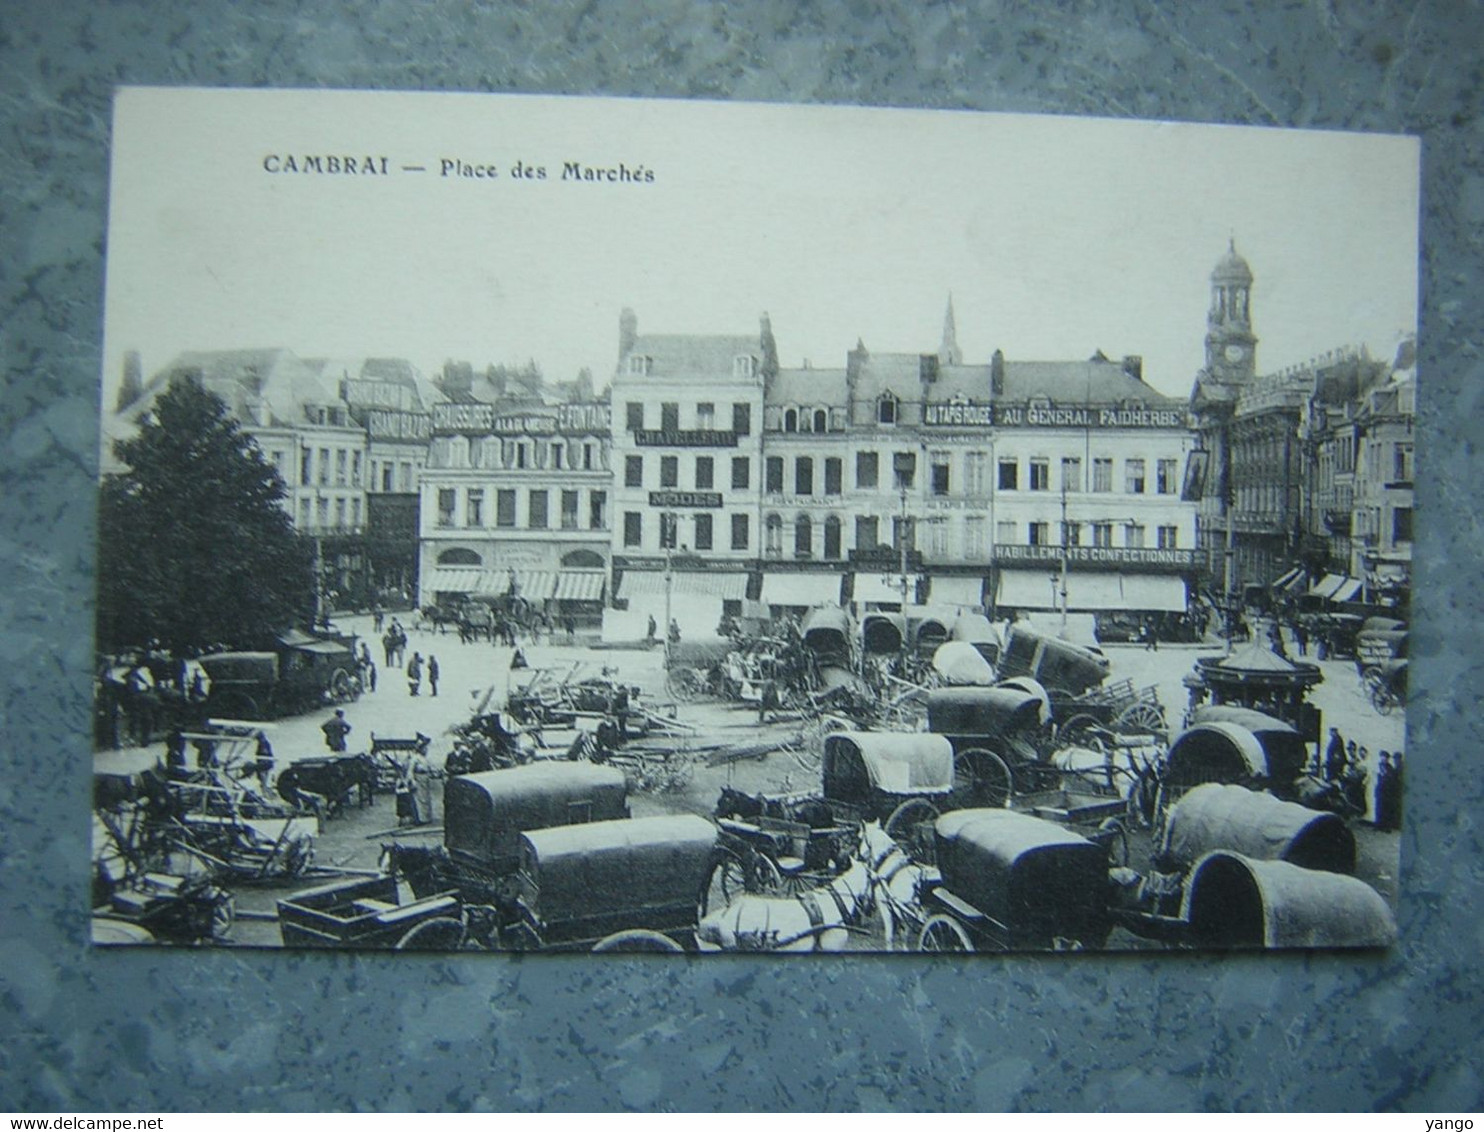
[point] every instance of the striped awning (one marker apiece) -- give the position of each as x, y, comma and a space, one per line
454, 580
801, 589
651, 583
1287, 581
1326, 585
1347, 591
580, 585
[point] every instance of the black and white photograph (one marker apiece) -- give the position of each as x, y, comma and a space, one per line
575, 524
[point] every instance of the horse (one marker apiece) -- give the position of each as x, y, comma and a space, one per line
822, 917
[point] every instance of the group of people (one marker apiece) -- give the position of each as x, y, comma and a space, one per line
415, 671
1344, 765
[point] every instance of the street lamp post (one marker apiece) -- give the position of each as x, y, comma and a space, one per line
669, 586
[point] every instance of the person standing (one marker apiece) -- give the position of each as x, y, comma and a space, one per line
415, 674
650, 631
1301, 638
432, 674
1334, 754
336, 728
389, 648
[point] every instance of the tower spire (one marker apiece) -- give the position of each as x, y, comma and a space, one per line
948, 351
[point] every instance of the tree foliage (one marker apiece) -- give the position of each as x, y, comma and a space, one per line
195, 549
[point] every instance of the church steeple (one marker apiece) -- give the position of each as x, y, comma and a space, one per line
1231, 347
948, 352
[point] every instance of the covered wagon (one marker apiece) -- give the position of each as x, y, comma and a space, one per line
1255, 825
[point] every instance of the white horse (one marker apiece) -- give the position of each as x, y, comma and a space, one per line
821, 918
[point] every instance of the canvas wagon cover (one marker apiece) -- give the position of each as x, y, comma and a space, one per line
1029, 874
484, 814
582, 871
1259, 826
1215, 752
1234, 901
960, 663
986, 712
856, 762
826, 628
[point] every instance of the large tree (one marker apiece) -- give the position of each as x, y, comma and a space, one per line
195, 549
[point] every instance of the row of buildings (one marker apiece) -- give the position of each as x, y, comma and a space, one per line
710, 480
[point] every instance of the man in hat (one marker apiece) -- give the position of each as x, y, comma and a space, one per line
336, 728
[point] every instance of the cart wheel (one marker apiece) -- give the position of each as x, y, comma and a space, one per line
726, 881
1081, 731
223, 915
441, 933
943, 933
911, 826
981, 778
638, 941
763, 877
1114, 837
1142, 717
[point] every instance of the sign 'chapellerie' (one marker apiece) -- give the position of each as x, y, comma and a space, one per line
743, 688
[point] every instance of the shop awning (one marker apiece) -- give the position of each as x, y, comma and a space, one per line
1153, 592
453, 580
956, 589
883, 589
1036, 589
1326, 585
1348, 590
801, 589
651, 583
533, 585
1287, 581
580, 585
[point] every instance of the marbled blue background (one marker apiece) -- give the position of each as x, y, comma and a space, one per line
141, 1030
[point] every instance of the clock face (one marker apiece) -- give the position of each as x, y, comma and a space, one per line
1235, 353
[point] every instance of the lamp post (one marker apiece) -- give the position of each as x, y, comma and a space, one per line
669, 586
904, 464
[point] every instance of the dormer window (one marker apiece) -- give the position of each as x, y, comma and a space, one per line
791, 420
744, 365
640, 364
887, 409
821, 420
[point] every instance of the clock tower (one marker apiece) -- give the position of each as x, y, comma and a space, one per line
1231, 347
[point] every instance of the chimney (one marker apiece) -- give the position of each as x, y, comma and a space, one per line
1133, 365
927, 368
458, 379
997, 373
769, 347
133, 387
628, 332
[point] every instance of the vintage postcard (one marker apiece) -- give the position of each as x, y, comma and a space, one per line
578, 524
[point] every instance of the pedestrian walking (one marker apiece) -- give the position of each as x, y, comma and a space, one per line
389, 648
1301, 638
415, 674
377, 617
1334, 753
432, 674
569, 623
336, 728
263, 762
650, 631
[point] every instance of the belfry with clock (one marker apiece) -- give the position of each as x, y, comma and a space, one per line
1231, 347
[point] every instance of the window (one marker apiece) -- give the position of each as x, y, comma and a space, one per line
339, 513
306, 465
322, 512
405, 478
867, 532
522, 455
569, 510
886, 409
773, 532
355, 511
741, 472
669, 417
804, 476
904, 468
304, 513
1133, 535
558, 452
832, 537
597, 510
1169, 537
1166, 477
803, 537
587, 458
833, 475
773, 471
669, 530
703, 532
1134, 477
505, 507
1102, 473
1040, 534
1071, 473
1071, 534
867, 469
1401, 525
740, 533
1040, 474
937, 539
633, 471
744, 365
705, 414
821, 420
669, 471
790, 420
538, 517
1004, 532
355, 468
742, 418
474, 508
940, 473
1009, 474
633, 528
388, 476
446, 502
1102, 534
324, 466
1401, 463
634, 415
976, 473
974, 527
705, 471
639, 364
